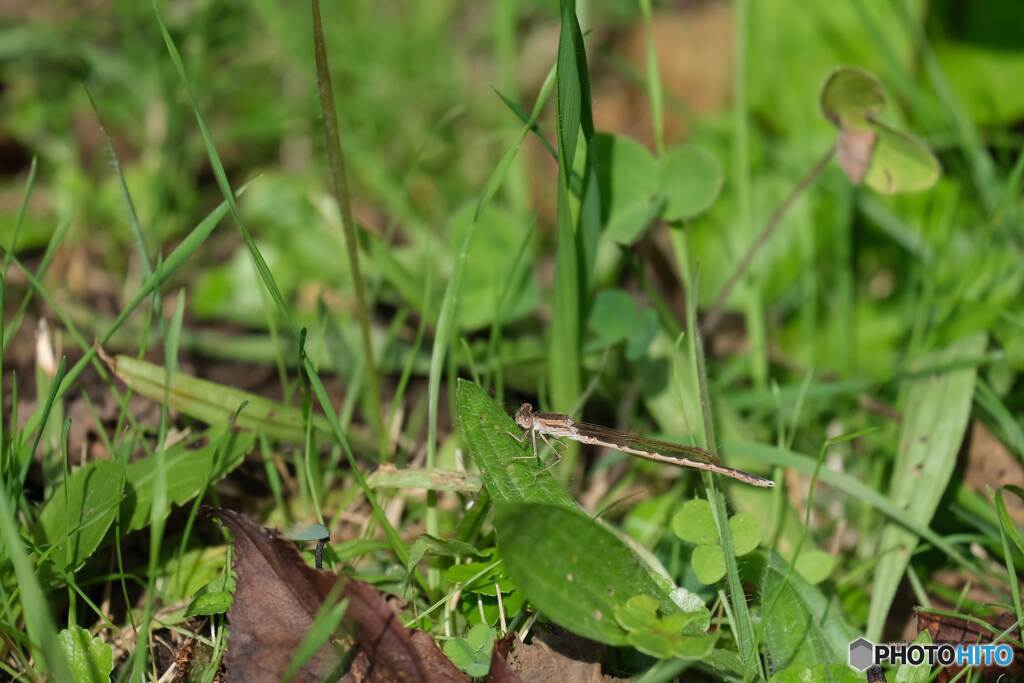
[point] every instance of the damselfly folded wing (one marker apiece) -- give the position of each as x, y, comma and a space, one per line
614, 438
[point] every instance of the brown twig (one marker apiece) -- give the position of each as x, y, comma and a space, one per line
714, 317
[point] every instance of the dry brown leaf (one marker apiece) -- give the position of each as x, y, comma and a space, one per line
557, 655
501, 671
991, 465
944, 629
277, 597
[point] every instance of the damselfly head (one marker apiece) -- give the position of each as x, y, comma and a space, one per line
524, 416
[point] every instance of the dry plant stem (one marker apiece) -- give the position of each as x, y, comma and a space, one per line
339, 184
717, 308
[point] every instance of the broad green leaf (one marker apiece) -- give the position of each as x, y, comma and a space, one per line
215, 404
573, 569
936, 411
628, 177
472, 654
900, 163
695, 523
815, 565
821, 673
615, 317
746, 533
507, 466
801, 628
76, 518
213, 602
851, 98
91, 660
690, 179
640, 340
187, 471
92, 495
708, 563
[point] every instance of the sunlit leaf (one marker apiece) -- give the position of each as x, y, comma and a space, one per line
851, 98
746, 533
690, 178
573, 569
695, 523
900, 163
91, 660
472, 654
708, 563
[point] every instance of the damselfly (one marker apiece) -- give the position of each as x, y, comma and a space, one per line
563, 426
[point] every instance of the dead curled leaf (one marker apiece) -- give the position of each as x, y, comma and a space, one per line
853, 152
947, 629
555, 655
278, 596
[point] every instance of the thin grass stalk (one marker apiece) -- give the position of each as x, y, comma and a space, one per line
714, 316
743, 625
339, 185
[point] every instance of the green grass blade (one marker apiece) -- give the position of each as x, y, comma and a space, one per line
222, 180
321, 630
936, 414
654, 90
564, 362
1007, 531
35, 607
133, 217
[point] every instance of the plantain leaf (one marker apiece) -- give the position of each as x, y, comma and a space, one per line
215, 404
801, 628
574, 570
508, 469
75, 520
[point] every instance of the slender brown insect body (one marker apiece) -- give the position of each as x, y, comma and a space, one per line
563, 426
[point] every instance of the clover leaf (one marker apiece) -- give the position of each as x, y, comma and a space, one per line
695, 524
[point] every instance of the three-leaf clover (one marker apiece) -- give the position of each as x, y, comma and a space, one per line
472, 654
695, 524
681, 634
887, 160
640, 187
